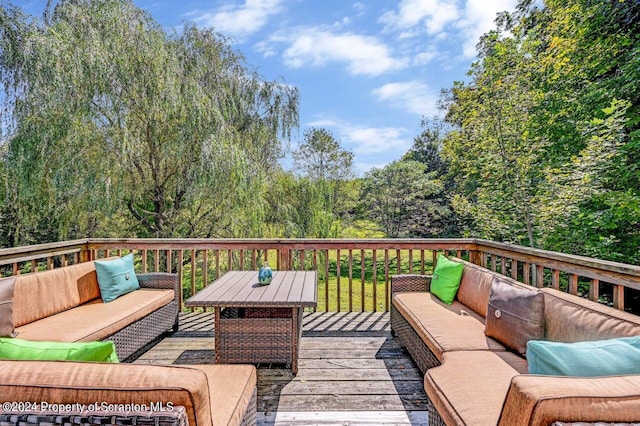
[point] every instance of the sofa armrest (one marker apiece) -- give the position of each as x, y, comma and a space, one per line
410, 282
543, 400
161, 280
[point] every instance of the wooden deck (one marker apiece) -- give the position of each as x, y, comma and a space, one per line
351, 372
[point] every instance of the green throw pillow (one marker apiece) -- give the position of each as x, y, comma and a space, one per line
116, 277
611, 357
446, 279
13, 348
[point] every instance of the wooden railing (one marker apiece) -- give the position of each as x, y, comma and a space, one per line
353, 275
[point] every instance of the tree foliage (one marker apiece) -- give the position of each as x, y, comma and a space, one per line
544, 147
399, 198
109, 110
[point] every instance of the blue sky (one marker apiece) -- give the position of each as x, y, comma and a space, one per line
367, 70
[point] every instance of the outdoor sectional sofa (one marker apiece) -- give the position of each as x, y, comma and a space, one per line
473, 379
65, 305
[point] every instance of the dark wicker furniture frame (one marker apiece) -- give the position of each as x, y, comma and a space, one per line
256, 324
176, 417
400, 327
136, 337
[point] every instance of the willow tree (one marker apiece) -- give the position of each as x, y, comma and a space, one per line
107, 114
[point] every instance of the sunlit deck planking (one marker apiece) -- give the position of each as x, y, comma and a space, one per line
351, 372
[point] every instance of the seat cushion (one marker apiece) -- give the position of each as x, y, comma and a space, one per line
96, 320
231, 388
469, 387
444, 327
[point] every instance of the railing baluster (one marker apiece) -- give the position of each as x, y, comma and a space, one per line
387, 284
193, 273
156, 258
618, 297
362, 275
375, 281
144, 261
180, 275
539, 276
422, 261
169, 259
338, 277
555, 279
526, 272
410, 261
573, 284
205, 268
350, 280
594, 290
514, 269
242, 260
326, 280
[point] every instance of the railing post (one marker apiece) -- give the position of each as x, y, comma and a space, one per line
86, 254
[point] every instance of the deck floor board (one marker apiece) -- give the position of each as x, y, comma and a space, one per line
351, 372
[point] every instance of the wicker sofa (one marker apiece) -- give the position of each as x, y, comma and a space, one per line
64, 304
472, 379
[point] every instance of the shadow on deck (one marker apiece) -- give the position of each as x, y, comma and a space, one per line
351, 371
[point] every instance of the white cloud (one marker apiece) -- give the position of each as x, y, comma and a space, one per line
243, 20
440, 18
411, 96
478, 18
320, 46
365, 140
433, 14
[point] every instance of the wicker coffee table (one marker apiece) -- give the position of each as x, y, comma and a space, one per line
257, 324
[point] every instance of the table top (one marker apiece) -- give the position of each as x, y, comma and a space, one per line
241, 289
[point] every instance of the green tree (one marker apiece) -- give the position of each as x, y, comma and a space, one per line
321, 158
109, 111
399, 199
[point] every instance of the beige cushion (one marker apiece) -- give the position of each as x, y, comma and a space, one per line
6, 307
444, 327
211, 394
42, 294
573, 319
475, 287
541, 400
97, 320
515, 315
231, 388
469, 387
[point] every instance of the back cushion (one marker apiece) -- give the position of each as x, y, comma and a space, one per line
42, 294
475, 287
571, 318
